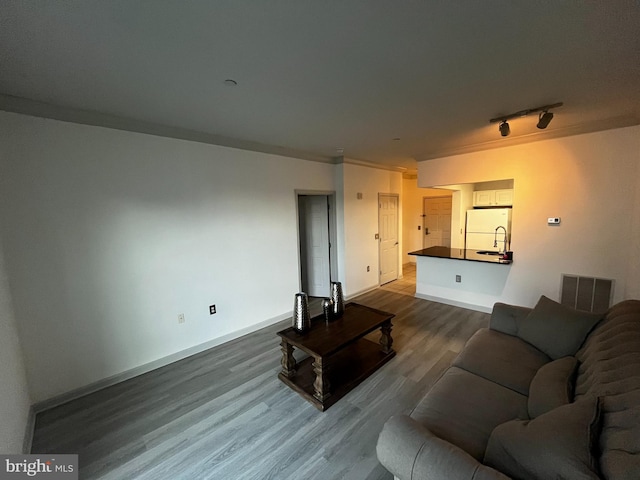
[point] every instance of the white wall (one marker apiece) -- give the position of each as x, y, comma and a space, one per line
411, 219
361, 223
109, 235
461, 201
633, 276
14, 396
338, 172
590, 181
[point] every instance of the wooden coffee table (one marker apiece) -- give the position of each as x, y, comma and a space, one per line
339, 357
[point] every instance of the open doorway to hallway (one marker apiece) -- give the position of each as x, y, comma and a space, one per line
316, 241
414, 220
405, 285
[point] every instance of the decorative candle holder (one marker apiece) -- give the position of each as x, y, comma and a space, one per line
327, 309
301, 316
337, 299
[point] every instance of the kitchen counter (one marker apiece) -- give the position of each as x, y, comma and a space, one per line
459, 254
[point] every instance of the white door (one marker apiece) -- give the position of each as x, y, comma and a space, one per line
388, 231
437, 222
316, 226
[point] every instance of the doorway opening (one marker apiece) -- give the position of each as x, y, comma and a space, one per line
316, 242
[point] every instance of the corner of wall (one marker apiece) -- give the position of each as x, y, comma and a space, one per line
632, 289
16, 416
340, 234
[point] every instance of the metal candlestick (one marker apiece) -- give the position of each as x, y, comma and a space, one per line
337, 298
327, 309
301, 316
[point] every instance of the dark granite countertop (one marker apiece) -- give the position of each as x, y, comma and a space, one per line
459, 254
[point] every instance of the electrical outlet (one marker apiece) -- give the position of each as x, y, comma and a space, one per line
181, 318
458, 278
212, 309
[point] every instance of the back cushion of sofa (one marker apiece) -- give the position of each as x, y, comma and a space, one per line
610, 368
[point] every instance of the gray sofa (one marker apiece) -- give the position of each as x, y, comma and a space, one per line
543, 393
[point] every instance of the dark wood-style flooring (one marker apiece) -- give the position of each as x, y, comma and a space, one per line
223, 414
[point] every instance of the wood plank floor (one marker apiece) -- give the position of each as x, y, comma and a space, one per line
223, 414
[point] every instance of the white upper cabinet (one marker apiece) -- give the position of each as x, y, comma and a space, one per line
504, 198
493, 198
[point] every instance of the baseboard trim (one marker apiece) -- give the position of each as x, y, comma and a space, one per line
29, 430
454, 303
148, 367
361, 292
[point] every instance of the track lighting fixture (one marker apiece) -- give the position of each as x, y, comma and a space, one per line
544, 118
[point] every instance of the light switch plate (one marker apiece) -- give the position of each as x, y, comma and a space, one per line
553, 221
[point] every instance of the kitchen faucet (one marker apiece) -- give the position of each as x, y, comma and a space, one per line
495, 238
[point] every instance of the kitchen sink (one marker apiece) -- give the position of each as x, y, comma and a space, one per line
488, 252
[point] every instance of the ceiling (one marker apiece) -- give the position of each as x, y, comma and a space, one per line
381, 81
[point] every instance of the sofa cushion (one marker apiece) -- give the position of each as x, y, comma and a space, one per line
507, 318
556, 329
552, 386
492, 355
610, 367
559, 444
464, 408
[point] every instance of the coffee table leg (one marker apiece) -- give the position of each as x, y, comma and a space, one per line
385, 337
288, 362
321, 385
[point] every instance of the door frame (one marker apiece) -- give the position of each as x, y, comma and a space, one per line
333, 236
398, 262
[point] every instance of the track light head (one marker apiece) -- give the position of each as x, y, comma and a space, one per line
544, 119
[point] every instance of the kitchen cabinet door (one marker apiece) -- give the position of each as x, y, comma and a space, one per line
484, 198
503, 198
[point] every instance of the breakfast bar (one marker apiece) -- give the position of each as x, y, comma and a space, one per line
466, 278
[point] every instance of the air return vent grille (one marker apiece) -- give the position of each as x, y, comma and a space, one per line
586, 293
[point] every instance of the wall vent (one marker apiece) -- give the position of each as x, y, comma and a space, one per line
586, 293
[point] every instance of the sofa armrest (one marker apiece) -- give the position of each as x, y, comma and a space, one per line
411, 452
507, 318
